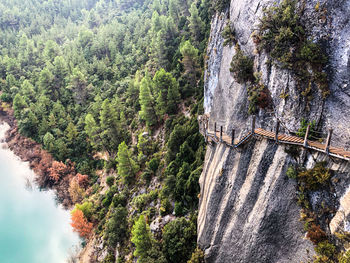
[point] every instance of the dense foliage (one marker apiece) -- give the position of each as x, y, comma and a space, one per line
112, 90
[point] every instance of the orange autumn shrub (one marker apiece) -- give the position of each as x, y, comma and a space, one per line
83, 180
57, 170
316, 234
80, 223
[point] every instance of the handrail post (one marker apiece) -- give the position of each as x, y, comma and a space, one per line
306, 135
220, 133
215, 130
276, 131
253, 124
328, 142
233, 137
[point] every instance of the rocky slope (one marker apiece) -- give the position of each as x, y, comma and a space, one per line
248, 210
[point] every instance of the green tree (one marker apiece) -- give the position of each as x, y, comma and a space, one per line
196, 25
176, 139
60, 72
174, 9
78, 84
112, 132
179, 240
190, 63
144, 144
147, 102
71, 133
197, 256
127, 167
141, 237
28, 123
116, 227
92, 130
19, 104
27, 90
49, 142
46, 79
50, 50
168, 92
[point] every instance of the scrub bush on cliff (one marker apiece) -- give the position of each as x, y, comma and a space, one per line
242, 67
179, 240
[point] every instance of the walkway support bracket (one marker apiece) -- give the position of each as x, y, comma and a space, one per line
215, 130
277, 130
328, 142
306, 136
233, 137
220, 133
253, 124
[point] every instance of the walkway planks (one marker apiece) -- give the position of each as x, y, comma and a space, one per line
282, 138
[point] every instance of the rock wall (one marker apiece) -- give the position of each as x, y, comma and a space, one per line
248, 210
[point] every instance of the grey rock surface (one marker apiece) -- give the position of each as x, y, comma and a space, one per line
248, 210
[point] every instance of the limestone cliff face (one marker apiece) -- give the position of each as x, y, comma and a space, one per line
248, 210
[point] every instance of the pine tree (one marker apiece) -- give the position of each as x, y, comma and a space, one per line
141, 237
50, 50
173, 97
27, 89
49, 141
71, 133
127, 167
147, 102
174, 10
19, 103
110, 126
156, 22
79, 86
159, 49
28, 123
92, 131
46, 79
116, 227
60, 71
190, 62
167, 89
196, 24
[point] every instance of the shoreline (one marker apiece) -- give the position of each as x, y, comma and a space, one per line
40, 161
31, 152
27, 181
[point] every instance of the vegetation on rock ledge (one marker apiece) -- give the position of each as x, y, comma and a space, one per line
282, 34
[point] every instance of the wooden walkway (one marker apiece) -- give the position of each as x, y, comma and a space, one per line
221, 137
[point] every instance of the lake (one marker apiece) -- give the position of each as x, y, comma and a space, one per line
33, 229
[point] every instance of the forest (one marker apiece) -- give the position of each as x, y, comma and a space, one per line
111, 89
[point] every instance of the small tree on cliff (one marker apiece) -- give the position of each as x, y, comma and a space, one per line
127, 167
57, 171
147, 102
141, 237
75, 191
80, 223
19, 104
190, 62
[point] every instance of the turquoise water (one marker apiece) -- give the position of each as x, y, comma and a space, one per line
32, 228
